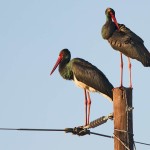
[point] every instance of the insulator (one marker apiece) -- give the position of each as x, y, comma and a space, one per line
98, 122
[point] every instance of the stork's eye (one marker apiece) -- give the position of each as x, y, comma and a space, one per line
61, 54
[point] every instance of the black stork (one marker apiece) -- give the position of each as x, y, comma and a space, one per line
85, 75
124, 40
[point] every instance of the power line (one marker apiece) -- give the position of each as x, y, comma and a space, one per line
107, 136
142, 143
30, 129
76, 131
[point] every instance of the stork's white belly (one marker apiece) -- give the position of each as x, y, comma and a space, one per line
90, 89
83, 85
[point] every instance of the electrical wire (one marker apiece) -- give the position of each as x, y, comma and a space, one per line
68, 130
29, 129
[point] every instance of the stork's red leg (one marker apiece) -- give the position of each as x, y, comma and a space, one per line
85, 104
129, 64
121, 67
89, 106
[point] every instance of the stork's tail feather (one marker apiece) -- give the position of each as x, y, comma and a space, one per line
146, 62
145, 56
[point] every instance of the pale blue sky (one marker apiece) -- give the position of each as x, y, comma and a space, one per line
32, 33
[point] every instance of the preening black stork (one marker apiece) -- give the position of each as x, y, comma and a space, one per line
124, 40
85, 75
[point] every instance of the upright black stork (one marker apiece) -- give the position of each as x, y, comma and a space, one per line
85, 75
124, 40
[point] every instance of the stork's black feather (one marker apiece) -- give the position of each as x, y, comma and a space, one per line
124, 40
130, 45
90, 75
84, 72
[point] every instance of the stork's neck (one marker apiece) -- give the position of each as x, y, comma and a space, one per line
108, 28
65, 69
108, 18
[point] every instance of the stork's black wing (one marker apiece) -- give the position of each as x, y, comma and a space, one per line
130, 44
90, 75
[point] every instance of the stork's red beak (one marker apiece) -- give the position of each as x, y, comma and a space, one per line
114, 19
56, 64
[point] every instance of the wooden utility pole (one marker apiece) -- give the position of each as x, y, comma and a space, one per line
123, 120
